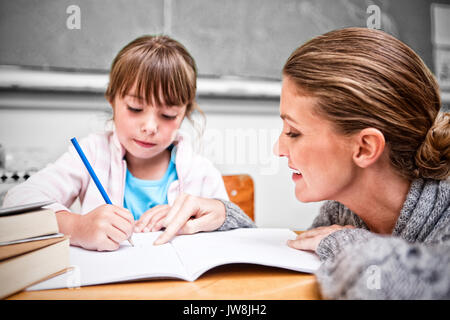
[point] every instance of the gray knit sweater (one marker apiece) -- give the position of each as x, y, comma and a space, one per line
412, 263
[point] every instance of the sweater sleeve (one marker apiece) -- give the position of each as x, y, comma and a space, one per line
235, 217
358, 264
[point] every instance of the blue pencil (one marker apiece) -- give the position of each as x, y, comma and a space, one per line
92, 173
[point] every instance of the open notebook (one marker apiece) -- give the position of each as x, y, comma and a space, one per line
185, 257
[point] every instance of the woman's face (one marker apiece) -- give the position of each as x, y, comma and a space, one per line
145, 130
320, 158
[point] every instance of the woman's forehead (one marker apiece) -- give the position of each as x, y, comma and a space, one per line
297, 107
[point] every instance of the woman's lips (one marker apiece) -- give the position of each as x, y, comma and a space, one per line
144, 144
296, 176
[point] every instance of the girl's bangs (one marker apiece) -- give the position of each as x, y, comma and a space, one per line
161, 80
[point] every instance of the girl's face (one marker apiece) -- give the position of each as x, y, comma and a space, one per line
320, 158
145, 130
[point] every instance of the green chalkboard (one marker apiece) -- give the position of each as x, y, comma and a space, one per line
250, 38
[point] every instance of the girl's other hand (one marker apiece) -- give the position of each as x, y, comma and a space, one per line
152, 219
309, 240
190, 214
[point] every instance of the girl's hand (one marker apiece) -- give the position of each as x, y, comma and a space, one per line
190, 214
309, 240
152, 220
103, 229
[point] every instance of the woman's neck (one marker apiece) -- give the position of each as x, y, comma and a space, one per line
378, 199
149, 169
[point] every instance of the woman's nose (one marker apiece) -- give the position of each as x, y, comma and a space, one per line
279, 148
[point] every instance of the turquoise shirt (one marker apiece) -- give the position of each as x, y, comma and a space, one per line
141, 195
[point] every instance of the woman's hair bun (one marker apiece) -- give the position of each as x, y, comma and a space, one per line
433, 156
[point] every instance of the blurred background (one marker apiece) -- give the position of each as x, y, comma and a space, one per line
55, 57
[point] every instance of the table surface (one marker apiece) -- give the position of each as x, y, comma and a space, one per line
234, 281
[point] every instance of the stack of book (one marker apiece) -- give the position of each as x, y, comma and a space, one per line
31, 249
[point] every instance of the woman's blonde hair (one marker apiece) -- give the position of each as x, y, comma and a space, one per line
160, 68
367, 78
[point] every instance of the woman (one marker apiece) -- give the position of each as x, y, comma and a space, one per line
362, 129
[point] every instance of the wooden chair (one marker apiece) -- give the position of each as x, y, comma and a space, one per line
240, 189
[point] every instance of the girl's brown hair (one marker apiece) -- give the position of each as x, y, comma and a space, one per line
367, 78
159, 68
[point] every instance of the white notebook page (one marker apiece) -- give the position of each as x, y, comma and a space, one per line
255, 245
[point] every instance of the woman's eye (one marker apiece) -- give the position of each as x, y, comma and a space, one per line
291, 134
134, 109
169, 117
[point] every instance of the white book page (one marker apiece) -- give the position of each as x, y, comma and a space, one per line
203, 251
144, 260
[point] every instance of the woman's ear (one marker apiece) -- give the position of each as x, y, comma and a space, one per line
369, 146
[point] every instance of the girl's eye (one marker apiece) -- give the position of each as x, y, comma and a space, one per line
291, 134
168, 117
136, 110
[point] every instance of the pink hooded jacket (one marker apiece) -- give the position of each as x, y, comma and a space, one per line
67, 178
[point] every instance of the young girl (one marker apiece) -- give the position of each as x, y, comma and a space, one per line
144, 163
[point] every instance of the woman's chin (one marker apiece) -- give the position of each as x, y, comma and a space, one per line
305, 196
302, 198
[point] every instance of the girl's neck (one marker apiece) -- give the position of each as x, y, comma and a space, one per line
378, 199
149, 169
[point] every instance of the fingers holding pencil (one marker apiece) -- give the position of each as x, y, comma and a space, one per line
103, 229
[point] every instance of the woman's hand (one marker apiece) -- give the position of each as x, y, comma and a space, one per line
309, 240
190, 214
152, 220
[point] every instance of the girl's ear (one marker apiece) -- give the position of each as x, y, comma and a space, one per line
369, 146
